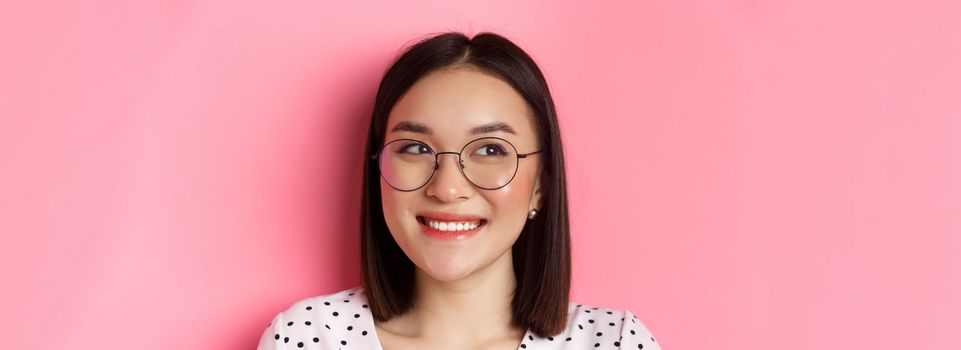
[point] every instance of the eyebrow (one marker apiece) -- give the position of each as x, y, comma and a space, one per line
420, 128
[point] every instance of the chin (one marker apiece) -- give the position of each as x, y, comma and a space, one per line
447, 269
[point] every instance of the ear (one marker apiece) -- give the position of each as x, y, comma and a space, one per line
540, 186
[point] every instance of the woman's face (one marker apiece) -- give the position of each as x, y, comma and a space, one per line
440, 110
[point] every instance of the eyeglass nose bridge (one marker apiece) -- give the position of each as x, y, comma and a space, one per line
460, 160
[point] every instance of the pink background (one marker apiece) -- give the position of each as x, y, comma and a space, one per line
743, 174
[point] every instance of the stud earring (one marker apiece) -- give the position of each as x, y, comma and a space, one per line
532, 214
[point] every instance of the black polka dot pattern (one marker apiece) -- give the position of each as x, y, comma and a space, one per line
348, 324
592, 327
340, 320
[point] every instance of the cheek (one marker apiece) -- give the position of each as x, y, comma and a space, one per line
396, 211
511, 203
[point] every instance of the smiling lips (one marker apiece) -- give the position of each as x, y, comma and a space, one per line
447, 225
452, 226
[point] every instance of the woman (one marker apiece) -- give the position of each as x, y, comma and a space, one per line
464, 228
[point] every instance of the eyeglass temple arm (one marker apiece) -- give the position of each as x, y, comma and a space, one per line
526, 154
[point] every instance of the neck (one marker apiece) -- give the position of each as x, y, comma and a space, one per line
476, 307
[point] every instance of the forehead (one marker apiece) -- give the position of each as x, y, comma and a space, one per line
452, 102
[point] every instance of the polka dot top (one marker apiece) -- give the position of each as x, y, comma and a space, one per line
342, 320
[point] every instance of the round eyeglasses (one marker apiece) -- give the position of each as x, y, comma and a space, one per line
488, 163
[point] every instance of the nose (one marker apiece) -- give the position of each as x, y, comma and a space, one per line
449, 183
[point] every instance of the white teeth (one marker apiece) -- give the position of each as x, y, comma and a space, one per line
452, 226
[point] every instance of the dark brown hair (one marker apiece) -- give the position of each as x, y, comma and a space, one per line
541, 255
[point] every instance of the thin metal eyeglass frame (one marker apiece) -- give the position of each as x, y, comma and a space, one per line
460, 161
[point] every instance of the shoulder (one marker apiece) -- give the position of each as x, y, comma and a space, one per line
590, 326
617, 327
329, 320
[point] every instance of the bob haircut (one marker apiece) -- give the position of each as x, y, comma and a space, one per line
541, 254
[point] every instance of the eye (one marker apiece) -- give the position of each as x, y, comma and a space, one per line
414, 148
491, 149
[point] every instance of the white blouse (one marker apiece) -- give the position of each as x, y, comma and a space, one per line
342, 320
